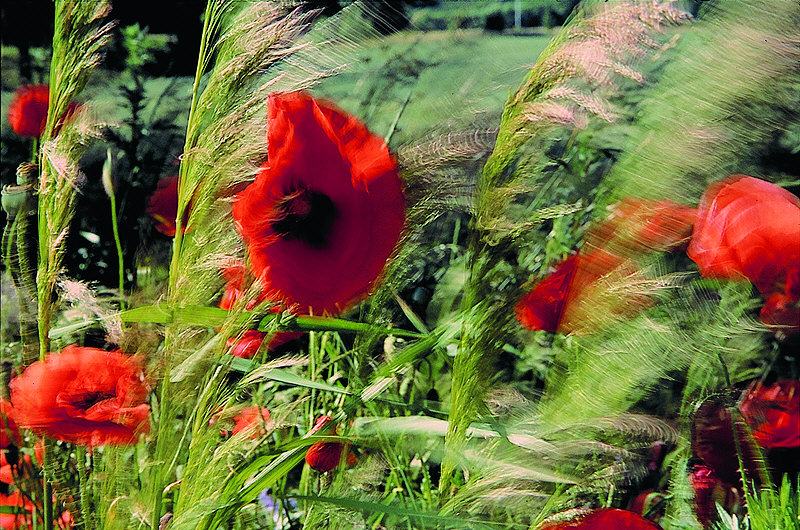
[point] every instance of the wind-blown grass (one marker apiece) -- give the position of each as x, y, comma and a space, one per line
592, 52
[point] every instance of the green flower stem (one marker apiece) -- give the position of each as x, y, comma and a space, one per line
48, 472
115, 229
165, 414
25, 299
85, 487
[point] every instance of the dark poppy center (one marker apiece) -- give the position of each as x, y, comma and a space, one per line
306, 215
90, 399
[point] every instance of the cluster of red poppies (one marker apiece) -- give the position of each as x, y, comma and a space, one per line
773, 414
304, 224
722, 445
744, 228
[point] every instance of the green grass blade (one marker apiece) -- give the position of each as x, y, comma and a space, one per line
421, 519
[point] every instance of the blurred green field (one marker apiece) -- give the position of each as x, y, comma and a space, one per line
450, 78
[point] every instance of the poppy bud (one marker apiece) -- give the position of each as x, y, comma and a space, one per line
324, 456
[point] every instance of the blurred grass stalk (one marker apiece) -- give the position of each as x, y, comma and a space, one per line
574, 79
80, 33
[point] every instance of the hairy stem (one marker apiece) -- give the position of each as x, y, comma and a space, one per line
118, 244
166, 415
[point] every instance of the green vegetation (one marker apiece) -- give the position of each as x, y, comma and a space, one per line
514, 153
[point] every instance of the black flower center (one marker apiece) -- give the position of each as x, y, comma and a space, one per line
306, 215
90, 399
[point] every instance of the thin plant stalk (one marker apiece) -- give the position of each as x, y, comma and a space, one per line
85, 487
164, 405
109, 187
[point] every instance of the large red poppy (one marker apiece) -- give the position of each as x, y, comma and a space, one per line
773, 412
604, 519
83, 395
750, 228
572, 298
325, 211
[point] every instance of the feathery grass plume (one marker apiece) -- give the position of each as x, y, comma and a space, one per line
224, 145
247, 51
439, 171
80, 32
731, 87
83, 299
570, 84
79, 36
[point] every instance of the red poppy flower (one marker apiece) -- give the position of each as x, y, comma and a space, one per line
324, 456
8, 427
27, 112
65, 520
773, 412
543, 306
247, 346
782, 312
645, 503
604, 519
573, 299
749, 228
235, 276
585, 292
325, 211
635, 226
162, 206
252, 418
82, 395
8, 471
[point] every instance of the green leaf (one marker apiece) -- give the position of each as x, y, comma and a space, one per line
312, 323
215, 316
426, 519
289, 378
